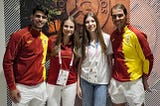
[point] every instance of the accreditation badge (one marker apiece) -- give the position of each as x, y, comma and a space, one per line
92, 75
62, 77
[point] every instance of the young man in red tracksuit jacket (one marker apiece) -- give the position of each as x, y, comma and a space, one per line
24, 62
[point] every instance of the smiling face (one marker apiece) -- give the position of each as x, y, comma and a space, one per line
119, 18
68, 28
39, 19
90, 24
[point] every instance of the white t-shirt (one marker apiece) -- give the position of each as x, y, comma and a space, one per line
95, 67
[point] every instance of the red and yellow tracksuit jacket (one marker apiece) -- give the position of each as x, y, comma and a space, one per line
25, 56
132, 55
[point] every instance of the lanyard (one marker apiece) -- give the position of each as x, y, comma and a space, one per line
96, 54
60, 58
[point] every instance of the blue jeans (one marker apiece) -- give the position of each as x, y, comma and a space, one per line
93, 94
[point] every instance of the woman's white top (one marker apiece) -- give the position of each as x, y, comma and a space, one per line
95, 68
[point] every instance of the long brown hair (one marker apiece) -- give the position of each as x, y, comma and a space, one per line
74, 38
86, 38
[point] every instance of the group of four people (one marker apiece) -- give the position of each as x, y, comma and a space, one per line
120, 63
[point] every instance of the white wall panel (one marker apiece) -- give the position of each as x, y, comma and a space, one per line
3, 88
